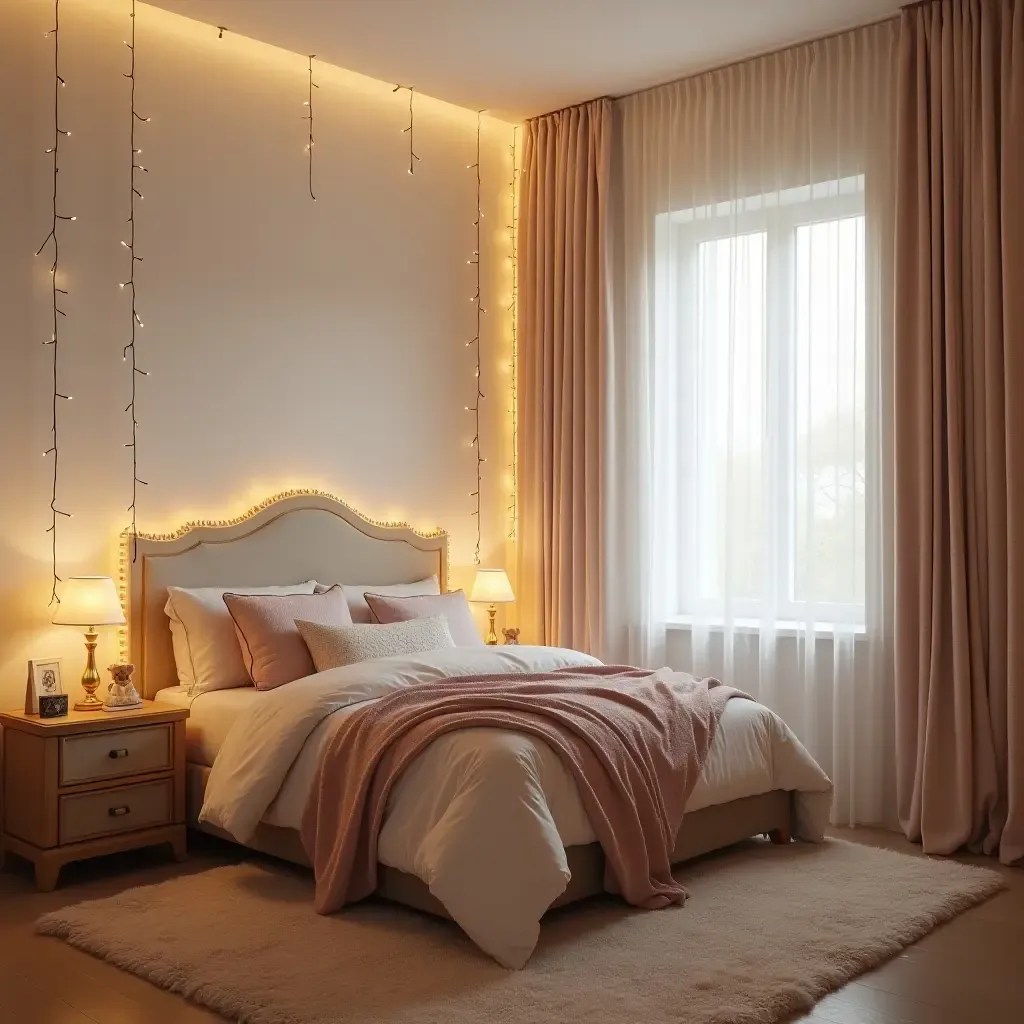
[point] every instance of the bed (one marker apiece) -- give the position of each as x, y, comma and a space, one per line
758, 778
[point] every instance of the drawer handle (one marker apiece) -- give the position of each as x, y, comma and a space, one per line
119, 812
115, 754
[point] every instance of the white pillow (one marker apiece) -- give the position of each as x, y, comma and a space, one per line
333, 646
206, 651
360, 610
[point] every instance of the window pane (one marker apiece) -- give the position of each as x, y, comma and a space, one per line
828, 526
730, 418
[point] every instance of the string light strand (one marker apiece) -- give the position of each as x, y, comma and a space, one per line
58, 396
129, 353
477, 300
311, 142
513, 228
409, 130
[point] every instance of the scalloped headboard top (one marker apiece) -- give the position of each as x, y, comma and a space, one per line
287, 539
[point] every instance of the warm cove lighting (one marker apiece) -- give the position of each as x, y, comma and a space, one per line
157, 27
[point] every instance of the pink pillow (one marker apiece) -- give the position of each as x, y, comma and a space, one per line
272, 647
453, 606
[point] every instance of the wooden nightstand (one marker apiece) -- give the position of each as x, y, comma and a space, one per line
90, 783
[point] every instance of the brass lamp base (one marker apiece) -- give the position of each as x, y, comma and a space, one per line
492, 637
91, 675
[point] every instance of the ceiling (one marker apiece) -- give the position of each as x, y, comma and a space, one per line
518, 58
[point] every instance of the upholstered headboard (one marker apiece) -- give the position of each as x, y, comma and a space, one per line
287, 539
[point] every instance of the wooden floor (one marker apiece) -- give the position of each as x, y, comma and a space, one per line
970, 971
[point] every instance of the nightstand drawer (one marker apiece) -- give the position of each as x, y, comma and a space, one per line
109, 811
109, 755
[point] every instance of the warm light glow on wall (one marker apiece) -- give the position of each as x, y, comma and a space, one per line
230, 44
52, 243
513, 309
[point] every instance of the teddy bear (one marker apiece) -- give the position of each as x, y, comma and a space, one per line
121, 693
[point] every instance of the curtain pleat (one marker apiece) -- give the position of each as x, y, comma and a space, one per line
749, 413
563, 335
960, 426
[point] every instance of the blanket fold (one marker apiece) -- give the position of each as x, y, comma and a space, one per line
635, 742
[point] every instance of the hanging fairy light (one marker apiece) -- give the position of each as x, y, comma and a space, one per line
311, 142
513, 229
477, 300
409, 129
58, 396
129, 353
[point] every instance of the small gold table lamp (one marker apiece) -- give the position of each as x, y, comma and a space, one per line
89, 601
491, 586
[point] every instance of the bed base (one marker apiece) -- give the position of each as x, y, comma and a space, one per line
703, 831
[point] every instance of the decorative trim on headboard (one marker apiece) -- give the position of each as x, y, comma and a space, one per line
124, 554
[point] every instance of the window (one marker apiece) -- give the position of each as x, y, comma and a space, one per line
760, 314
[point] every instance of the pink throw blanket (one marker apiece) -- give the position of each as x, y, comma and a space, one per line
635, 742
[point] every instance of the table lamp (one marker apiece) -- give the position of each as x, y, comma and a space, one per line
89, 601
491, 586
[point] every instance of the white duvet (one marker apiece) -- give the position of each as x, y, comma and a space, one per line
482, 816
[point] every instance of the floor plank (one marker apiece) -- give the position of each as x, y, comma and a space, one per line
969, 970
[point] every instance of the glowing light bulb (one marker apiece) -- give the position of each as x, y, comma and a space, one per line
124, 243
121, 285
74, 218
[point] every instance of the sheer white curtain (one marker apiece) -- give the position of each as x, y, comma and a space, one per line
749, 393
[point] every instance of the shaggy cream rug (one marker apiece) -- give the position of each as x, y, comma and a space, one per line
767, 930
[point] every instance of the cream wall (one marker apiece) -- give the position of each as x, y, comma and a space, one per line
289, 343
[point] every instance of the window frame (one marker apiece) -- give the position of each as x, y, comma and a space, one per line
778, 216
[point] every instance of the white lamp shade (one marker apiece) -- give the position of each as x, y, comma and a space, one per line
492, 586
89, 601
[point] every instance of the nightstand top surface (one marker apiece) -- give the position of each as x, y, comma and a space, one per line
151, 713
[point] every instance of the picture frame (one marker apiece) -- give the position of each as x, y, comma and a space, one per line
44, 680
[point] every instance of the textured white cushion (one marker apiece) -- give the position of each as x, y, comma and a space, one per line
206, 651
333, 646
360, 610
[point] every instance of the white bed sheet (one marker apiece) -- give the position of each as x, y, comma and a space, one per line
211, 715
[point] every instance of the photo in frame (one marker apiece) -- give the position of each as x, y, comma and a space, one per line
44, 680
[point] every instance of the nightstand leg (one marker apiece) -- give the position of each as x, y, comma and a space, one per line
47, 872
179, 848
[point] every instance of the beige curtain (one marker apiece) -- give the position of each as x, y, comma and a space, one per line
563, 329
959, 388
